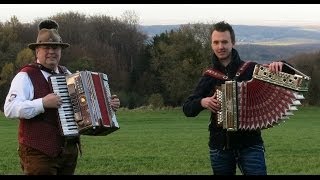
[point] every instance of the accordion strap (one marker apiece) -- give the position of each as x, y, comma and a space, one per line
216, 74
63, 69
219, 75
242, 69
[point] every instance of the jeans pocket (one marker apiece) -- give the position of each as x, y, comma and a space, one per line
214, 151
257, 147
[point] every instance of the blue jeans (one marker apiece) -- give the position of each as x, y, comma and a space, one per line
250, 160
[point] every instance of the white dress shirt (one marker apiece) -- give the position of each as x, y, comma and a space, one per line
19, 101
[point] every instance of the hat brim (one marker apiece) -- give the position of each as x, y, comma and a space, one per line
34, 45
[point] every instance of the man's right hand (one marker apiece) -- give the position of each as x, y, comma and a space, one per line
211, 103
51, 101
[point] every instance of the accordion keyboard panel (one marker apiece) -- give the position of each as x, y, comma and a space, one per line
66, 113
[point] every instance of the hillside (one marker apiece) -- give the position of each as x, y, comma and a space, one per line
267, 53
264, 43
262, 35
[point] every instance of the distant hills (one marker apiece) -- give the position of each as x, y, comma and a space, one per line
264, 35
270, 35
264, 43
153, 30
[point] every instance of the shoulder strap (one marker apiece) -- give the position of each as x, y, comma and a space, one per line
242, 68
219, 75
216, 74
63, 69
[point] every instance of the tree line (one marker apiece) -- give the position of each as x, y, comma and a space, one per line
161, 71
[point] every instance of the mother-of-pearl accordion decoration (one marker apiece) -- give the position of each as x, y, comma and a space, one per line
262, 102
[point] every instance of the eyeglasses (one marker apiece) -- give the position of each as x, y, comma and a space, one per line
53, 46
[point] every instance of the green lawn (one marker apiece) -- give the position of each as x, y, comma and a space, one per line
166, 142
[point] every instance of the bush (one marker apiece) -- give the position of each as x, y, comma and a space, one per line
156, 100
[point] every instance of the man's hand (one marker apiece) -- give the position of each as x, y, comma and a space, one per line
211, 103
115, 102
51, 101
275, 67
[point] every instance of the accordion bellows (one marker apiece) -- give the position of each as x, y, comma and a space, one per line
264, 101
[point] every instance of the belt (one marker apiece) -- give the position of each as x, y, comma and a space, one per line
75, 140
71, 140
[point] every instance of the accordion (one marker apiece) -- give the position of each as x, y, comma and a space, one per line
85, 105
262, 102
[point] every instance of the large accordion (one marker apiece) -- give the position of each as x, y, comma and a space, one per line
85, 105
262, 102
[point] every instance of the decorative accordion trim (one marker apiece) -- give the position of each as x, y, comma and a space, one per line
264, 101
295, 82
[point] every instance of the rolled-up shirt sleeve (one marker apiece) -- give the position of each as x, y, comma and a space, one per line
19, 102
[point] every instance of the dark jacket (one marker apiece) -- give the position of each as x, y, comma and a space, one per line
220, 138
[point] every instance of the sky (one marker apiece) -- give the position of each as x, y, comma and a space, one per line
168, 14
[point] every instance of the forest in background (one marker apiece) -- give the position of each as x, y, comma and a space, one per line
158, 71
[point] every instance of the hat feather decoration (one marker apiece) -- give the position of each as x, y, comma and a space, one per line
48, 24
48, 35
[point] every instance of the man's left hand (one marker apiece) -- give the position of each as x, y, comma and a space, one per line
275, 66
115, 102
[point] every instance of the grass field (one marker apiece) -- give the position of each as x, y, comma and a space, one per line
165, 142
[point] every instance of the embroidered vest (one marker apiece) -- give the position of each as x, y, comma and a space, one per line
42, 131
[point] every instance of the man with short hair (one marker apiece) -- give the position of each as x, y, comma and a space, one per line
244, 148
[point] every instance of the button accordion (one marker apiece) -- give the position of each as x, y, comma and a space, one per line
262, 102
85, 105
